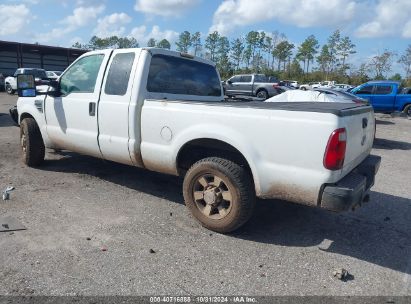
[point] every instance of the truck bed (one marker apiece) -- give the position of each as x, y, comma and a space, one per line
336, 108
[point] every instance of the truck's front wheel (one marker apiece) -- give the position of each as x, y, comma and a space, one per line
219, 193
407, 110
32, 144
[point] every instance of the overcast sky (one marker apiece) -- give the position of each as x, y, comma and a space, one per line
373, 25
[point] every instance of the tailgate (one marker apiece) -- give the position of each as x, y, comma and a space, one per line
360, 126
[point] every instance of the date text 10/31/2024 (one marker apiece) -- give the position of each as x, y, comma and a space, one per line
203, 299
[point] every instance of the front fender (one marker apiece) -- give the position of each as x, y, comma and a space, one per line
34, 107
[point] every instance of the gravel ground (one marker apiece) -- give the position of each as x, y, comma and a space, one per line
91, 225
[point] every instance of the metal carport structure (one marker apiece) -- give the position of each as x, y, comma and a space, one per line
15, 55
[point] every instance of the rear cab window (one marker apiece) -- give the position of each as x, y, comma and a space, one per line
181, 76
119, 74
383, 90
260, 78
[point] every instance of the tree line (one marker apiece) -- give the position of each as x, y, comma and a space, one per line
274, 55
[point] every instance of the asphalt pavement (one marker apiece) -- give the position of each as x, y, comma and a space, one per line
100, 228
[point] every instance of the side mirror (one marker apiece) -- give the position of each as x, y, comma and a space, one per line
229, 82
26, 86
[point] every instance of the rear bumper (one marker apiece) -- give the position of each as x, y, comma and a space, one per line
353, 189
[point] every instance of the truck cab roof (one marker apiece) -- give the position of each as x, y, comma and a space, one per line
384, 82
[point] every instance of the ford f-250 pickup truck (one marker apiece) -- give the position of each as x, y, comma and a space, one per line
385, 96
165, 111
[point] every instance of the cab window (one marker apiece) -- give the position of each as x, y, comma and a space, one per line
235, 79
245, 79
174, 75
383, 90
365, 90
119, 74
81, 77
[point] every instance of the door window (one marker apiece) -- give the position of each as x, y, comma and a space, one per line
245, 79
365, 90
81, 77
119, 74
235, 79
383, 90
259, 78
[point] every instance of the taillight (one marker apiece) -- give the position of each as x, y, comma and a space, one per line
358, 100
335, 151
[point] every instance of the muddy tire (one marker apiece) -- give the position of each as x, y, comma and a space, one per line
219, 193
407, 110
262, 94
32, 145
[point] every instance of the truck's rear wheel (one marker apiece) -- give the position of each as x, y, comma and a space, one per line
407, 110
32, 144
219, 194
9, 89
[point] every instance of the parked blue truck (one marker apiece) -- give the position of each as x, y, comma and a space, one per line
385, 96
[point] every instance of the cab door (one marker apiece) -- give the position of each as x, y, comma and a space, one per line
245, 86
72, 122
114, 106
383, 98
232, 85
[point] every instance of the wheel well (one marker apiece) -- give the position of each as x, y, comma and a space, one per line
406, 105
262, 89
198, 149
25, 115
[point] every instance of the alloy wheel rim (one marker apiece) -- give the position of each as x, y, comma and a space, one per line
212, 196
261, 95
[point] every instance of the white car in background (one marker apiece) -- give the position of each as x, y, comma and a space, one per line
343, 86
327, 84
310, 86
291, 83
53, 75
39, 74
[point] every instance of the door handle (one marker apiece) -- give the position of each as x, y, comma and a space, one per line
364, 123
92, 109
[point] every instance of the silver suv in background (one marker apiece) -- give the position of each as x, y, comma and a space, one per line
257, 85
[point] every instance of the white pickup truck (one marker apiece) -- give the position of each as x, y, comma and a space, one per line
165, 111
